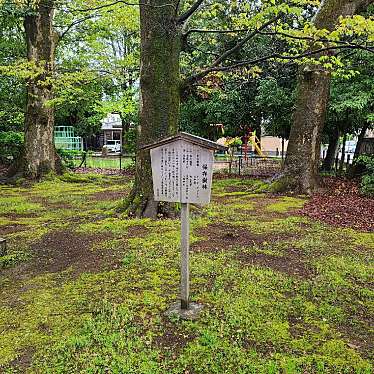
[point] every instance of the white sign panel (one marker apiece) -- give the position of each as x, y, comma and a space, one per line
182, 172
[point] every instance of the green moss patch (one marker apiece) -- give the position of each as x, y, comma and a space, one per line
84, 289
18, 205
285, 204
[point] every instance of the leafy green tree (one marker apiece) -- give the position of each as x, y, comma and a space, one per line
167, 71
96, 52
12, 89
303, 154
39, 156
276, 100
351, 105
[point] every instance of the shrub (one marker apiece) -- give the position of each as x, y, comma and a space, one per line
130, 141
68, 157
367, 181
11, 144
367, 185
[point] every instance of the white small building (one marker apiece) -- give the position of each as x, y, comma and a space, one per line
112, 132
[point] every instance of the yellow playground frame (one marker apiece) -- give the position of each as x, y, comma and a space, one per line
256, 144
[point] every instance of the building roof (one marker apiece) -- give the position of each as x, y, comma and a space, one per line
193, 139
112, 122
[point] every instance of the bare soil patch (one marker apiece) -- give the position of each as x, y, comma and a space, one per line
137, 231
172, 338
221, 236
298, 327
59, 250
292, 263
108, 195
359, 339
20, 215
229, 189
63, 249
12, 228
23, 361
48, 203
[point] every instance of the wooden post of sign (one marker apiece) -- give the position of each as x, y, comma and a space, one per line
182, 170
185, 248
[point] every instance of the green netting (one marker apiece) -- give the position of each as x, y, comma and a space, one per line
65, 138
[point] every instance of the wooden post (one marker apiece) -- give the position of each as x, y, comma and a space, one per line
185, 246
182, 171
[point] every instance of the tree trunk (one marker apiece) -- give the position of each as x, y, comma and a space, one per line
342, 157
160, 88
303, 154
360, 140
39, 153
332, 150
354, 170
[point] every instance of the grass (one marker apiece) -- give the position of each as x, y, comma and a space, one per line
106, 162
104, 311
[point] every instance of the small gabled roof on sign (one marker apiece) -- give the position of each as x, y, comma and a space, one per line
193, 139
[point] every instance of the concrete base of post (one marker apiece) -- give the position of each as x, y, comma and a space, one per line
191, 313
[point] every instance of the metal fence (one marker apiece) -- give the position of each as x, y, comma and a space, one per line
97, 161
251, 166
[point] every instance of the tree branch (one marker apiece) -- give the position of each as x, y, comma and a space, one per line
322, 40
205, 31
244, 41
118, 2
239, 64
75, 23
226, 54
184, 17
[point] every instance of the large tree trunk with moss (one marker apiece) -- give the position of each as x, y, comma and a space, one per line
303, 154
159, 97
39, 151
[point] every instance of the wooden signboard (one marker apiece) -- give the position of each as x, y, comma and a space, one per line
182, 172
182, 169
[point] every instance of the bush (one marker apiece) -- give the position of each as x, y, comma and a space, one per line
11, 144
129, 146
68, 157
367, 184
367, 181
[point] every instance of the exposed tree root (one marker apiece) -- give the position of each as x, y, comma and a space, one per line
297, 184
137, 205
18, 170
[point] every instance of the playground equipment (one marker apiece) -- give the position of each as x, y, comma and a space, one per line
256, 144
65, 138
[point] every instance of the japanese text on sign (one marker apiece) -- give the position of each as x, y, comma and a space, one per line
182, 172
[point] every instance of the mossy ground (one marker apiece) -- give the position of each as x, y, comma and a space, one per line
84, 290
